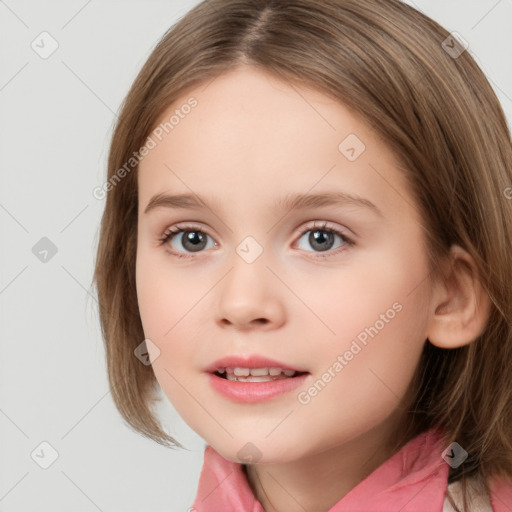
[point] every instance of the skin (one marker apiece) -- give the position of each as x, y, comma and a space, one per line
251, 140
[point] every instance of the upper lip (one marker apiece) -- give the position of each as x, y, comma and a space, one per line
248, 361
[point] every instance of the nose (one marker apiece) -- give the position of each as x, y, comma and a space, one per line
250, 296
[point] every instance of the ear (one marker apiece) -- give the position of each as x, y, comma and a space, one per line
460, 306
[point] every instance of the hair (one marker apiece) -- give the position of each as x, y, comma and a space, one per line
442, 120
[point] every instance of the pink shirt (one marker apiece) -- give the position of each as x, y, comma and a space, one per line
412, 480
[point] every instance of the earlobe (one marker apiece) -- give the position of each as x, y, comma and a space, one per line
460, 305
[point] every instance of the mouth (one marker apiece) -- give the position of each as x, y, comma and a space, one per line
250, 378
251, 385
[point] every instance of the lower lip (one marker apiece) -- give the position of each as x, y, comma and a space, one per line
248, 392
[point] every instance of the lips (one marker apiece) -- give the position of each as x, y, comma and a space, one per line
258, 388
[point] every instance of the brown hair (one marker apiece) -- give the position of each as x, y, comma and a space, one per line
440, 117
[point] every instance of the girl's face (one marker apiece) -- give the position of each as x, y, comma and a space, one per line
332, 287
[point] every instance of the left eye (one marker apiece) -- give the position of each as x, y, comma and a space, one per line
322, 238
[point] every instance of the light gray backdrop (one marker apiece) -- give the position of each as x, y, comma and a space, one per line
58, 106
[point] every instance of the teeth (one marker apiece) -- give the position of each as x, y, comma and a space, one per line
241, 372
262, 374
251, 378
258, 372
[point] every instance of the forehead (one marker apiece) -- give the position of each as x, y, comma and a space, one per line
252, 134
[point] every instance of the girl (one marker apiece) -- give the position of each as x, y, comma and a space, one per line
306, 244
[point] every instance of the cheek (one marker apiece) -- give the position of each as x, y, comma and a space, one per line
379, 290
160, 292
153, 296
360, 383
163, 310
162, 301
378, 312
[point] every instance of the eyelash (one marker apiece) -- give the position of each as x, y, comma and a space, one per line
169, 233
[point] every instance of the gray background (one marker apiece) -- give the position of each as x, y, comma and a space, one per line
56, 120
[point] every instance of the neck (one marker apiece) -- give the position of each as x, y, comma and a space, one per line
318, 481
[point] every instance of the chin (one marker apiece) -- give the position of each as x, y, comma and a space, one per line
255, 451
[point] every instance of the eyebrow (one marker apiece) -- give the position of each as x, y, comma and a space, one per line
288, 202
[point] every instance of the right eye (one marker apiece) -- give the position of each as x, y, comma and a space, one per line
192, 239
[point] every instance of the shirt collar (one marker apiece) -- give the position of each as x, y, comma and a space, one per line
414, 478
